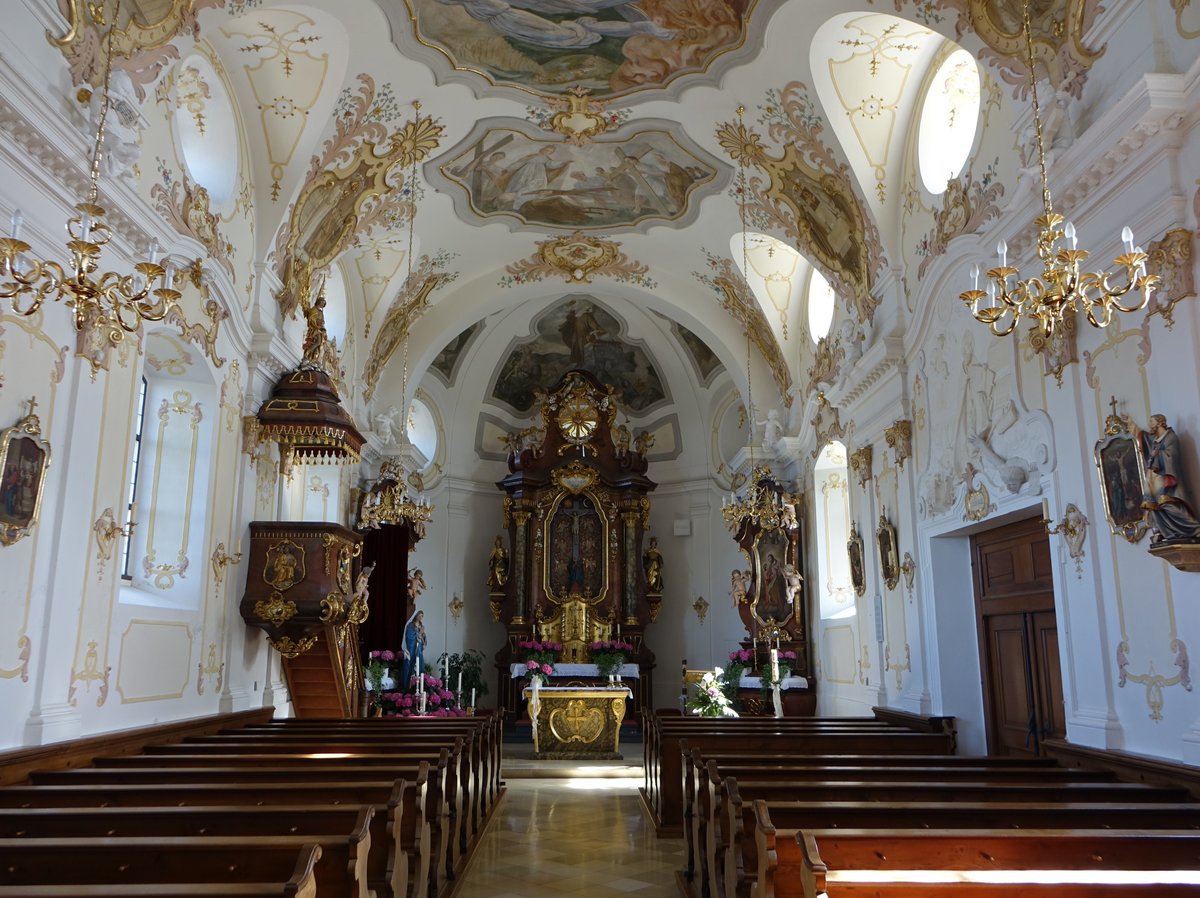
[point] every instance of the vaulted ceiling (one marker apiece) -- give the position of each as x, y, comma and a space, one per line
454, 160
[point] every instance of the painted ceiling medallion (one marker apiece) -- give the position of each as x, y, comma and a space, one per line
577, 258
639, 174
614, 48
577, 116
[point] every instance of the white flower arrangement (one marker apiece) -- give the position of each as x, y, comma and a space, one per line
710, 699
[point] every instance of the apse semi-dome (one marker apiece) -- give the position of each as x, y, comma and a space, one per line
205, 123
948, 119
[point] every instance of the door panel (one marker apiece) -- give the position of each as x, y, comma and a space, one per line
1010, 703
1051, 710
1018, 634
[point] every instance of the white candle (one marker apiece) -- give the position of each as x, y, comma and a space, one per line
472, 696
1045, 509
458, 691
1127, 238
17, 220
975, 276
774, 665
1002, 252
446, 672
1069, 233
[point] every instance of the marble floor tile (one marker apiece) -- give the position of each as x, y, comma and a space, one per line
570, 835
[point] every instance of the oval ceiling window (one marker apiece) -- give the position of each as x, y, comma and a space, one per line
207, 128
821, 300
948, 119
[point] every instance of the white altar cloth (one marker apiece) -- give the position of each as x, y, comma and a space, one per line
577, 670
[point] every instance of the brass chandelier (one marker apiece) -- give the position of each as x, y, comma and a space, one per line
111, 303
1062, 290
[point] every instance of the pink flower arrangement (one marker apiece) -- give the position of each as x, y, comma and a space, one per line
533, 645
618, 645
382, 655
742, 656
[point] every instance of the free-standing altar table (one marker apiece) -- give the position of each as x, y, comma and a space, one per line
577, 722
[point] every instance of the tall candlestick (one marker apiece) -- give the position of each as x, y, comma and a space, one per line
472, 698
446, 672
458, 691
774, 665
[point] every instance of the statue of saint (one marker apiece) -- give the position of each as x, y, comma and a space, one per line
1171, 513
413, 650
498, 565
652, 562
315, 337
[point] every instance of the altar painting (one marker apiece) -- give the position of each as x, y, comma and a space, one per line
771, 600
559, 184
575, 549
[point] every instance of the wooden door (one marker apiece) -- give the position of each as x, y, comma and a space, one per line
1014, 601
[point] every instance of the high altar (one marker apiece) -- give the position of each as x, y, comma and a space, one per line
576, 511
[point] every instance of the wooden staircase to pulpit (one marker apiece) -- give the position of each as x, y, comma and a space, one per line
316, 681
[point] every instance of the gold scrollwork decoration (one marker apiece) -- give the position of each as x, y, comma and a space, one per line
277, 610
332, 607
290, 648
860, 464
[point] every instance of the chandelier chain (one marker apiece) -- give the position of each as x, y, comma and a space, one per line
105, 103
1037, 109
741, 110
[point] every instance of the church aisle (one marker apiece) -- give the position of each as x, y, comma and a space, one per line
568, 837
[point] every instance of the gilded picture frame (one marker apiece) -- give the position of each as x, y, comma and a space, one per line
1121, 467
854, 548
24, 458
889, 552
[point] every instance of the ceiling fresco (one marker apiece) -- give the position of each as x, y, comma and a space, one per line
578, 332
639, 175
614, 48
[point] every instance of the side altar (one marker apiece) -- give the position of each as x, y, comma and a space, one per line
576, 510
577, 723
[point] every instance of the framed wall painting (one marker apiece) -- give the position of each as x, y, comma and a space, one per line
24, 458
858, 574
774, 559
1121, 467
889, 554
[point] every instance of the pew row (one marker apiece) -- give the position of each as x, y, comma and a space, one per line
340, 870
839, 862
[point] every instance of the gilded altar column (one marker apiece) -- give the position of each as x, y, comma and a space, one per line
631, 566
520, 568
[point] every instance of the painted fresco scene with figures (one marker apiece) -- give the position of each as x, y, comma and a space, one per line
600, 184
599, 448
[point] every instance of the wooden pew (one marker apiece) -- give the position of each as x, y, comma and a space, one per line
230, 822
982, 791
795, 864
249, 778
698, 784
707, 778
803, 742
230, 755
740, 865
488, 725
462, 784
340, 870
302, 883
400, 834
482, 735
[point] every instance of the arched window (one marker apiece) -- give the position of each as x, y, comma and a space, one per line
831, 482
821, 301
948, 120
171, 466
423, 429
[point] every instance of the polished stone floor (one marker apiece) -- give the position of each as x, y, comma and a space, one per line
576, 832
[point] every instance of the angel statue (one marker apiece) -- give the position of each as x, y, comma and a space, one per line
498, 565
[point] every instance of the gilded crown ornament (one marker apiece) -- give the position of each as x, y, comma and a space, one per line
1062, 290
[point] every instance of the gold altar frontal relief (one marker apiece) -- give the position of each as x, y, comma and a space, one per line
577, 723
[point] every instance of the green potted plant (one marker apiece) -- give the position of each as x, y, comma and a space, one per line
608, 656
469, 666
